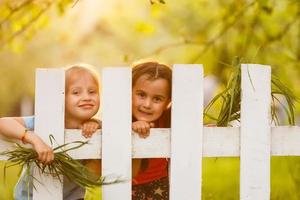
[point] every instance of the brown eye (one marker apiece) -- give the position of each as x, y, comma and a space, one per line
157, 99
75, 92
141, 94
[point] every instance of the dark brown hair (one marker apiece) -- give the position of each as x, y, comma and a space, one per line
153, 71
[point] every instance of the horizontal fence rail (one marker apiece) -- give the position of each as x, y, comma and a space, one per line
186, 142
217, 142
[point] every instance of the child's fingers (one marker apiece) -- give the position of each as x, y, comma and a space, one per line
152, 125
87, 134
46, 156
43, 157
49, 158
145, 130
87, 130
135, 127
140, 131
93, 129
142, 128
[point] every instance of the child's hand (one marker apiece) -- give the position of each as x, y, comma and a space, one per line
90, 127
142, 128
44, 151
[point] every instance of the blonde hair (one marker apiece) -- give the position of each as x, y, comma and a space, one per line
83, 67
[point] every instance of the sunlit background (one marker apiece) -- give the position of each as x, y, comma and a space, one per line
48, 33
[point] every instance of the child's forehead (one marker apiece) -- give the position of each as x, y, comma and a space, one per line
157, 84
149, 79
75, 72
75, 76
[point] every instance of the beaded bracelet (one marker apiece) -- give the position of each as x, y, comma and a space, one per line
24, 135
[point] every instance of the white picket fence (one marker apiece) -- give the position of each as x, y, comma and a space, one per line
185, 143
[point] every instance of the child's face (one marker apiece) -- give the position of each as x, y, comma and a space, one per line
150, 98
82, 96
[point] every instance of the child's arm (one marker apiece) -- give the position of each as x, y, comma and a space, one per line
14, 128
142, 128
90, 127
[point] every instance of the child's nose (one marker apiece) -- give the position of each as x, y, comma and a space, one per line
86, 96
147, 103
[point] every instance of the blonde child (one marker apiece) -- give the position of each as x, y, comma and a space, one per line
81, 104
151, 97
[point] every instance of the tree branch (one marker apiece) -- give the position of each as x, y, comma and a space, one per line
25, 27
14, 10
223, 31
209, 43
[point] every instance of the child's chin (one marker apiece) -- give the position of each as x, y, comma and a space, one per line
86, 116
145, 119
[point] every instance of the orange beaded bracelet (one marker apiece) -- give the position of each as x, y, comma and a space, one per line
24, 135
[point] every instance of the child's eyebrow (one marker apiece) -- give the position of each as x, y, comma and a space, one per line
160, 96
74, 88
139, 90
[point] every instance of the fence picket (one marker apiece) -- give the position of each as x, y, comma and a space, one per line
186, 132
255, 132
49, 119
116, 129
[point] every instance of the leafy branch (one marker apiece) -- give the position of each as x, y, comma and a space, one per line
62, 165
230, 99
25, 27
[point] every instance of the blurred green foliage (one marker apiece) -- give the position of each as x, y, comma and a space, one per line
207, 32
45, 33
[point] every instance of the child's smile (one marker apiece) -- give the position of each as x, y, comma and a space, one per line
142, 112
86, 105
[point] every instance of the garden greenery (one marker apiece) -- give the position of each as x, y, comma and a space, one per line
62, 165
230, 99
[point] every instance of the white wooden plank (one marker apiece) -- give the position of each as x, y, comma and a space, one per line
221, 141
285, 141
116, 127
158, 143
255, 132
217, 142
92, 150
49, 119
186, 136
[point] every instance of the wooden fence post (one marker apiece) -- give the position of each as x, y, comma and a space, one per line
186, 132
255, 132
49, 119
116, 129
